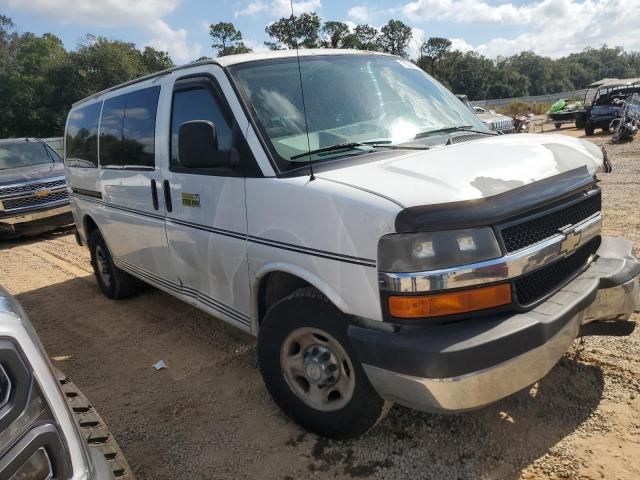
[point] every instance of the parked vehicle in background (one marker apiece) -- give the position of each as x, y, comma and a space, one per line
33, 189
57, 143
382, 244
627, 124
607, 103
48, 429
493, 121
562, 111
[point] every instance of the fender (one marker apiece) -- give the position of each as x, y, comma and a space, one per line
311, 278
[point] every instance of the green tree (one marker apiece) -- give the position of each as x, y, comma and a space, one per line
432, 55
366, 37
394, 38
226, 39
156, 60
291, 32
337, 35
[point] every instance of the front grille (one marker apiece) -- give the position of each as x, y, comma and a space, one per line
502, 125
537, 285
34, 201
546, 226
27, 188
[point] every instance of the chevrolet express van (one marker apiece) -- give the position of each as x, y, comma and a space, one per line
349, 211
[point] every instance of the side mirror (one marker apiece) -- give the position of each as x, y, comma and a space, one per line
198, 147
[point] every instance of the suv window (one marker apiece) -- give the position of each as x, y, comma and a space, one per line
82, 137
198, 104
127, 129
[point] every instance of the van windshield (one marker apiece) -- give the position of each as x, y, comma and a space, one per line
24, 154
349, 99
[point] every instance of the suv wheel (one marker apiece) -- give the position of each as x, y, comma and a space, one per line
113, 282
311, 371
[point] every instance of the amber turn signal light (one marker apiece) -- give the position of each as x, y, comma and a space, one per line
440, 304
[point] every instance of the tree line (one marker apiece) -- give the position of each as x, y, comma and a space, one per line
40, 79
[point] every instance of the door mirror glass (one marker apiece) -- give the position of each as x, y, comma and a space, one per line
198, 147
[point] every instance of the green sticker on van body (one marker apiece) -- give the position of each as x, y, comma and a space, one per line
191, 200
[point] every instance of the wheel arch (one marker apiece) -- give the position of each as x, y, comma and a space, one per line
275, 281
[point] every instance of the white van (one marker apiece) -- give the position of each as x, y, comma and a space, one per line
381, 243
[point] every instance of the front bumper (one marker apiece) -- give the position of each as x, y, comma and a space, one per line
42, 219
468, 364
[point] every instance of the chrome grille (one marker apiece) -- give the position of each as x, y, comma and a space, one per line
30, 187
502, 125
33, 201
28, 195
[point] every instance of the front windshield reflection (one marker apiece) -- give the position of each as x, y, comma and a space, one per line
348, 99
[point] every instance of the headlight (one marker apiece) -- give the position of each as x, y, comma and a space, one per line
419, 252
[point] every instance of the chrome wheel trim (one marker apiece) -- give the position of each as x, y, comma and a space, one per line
317, 369
102, 265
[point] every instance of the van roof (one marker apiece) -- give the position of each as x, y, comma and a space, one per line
229, 60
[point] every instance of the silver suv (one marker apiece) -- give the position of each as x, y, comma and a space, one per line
48, 429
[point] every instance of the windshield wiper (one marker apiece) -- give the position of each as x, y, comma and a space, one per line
356, 145
465, 128
332, 148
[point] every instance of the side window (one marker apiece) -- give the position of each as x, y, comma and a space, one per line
198, 104
127, 129
138, 142
82, 137
111, 131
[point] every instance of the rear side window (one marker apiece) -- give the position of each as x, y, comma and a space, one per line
140, 128
111, 131
127, 130
82, 137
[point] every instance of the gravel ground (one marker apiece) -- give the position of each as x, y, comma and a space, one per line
209, 416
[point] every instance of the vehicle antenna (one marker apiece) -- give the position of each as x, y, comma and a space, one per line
304, 107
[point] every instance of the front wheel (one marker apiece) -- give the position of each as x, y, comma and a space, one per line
311, 371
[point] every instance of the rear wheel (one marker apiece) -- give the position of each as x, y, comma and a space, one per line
113, 282
311, 371
580, 121
557, 125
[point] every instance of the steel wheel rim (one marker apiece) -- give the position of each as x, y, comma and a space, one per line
102, 264
317, 369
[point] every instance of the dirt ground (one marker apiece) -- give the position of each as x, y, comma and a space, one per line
208, 415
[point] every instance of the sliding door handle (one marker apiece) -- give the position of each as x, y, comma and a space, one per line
167, 196
154, 195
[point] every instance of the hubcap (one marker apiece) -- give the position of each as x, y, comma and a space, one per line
102, 264
317, 369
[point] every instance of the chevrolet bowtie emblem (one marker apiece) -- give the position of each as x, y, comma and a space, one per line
570, 243
43, 192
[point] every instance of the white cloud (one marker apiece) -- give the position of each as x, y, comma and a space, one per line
107, 13
359, 13
173, 41
144, 14
417, 37
280, 8
554, 27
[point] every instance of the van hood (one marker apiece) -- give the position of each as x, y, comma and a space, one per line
471, 170
31, 173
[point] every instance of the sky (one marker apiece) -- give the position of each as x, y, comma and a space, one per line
492, 27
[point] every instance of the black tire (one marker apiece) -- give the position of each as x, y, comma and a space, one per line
93, 429
113, 282
557, 125
589, 129
304, 308
580, 122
